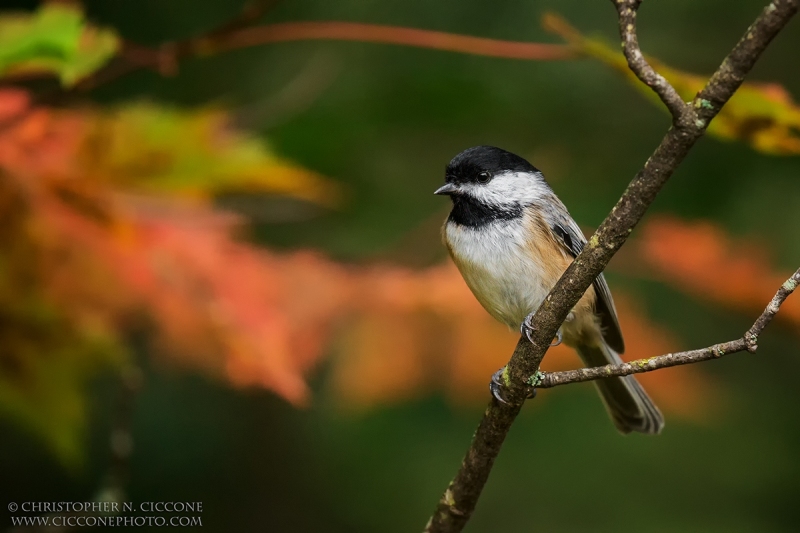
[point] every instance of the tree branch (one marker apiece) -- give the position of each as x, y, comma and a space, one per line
626, 10
373, 33
458, 502
250, 13
232, 36
165, 58
547, 380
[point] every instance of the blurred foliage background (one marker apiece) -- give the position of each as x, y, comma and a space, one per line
222, 277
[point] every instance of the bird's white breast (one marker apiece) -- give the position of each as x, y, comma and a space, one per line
500, 267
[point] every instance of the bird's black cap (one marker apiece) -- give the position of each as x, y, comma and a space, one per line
468, 165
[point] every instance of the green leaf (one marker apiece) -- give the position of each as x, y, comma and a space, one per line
55, 39
193, 153
45, 367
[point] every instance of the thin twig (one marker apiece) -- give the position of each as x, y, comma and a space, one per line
165, 58
458, 502
747, 343
373, 33
250, 13
121, 438
626, 10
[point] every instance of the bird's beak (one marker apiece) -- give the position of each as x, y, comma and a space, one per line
446, 189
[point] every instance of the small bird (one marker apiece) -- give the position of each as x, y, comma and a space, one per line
512, 239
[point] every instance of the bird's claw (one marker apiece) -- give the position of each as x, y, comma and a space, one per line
497, 384
559, 338
526, 329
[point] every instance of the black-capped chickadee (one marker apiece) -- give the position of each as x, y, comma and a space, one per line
512, 239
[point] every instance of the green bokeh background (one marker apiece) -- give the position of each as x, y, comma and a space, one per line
385, 125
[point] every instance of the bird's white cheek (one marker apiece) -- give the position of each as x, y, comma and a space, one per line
509, 189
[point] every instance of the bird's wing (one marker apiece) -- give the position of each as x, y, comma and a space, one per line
570, 235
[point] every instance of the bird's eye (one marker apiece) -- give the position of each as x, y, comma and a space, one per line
484, 177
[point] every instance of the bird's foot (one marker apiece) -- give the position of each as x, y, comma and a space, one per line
559, 338
497, 384
526, 329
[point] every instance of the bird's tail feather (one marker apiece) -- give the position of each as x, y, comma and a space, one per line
630, 407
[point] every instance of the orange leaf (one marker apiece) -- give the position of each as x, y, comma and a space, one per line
702, 259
